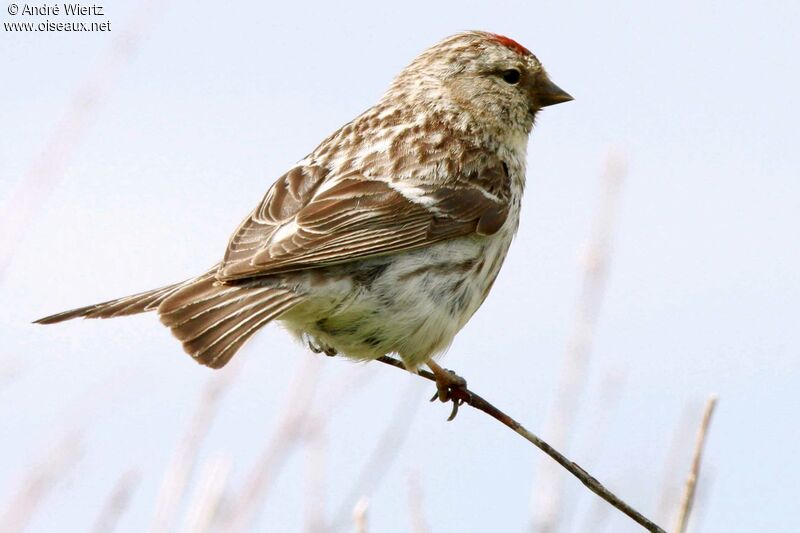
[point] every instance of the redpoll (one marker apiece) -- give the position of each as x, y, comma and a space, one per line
389, 235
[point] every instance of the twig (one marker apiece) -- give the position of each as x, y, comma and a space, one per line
470, 398
691, 482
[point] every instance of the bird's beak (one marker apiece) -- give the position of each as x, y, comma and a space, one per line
551, 94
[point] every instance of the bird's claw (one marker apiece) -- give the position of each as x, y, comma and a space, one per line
313, 347
456, 404
445, 385
330, 352
317, 347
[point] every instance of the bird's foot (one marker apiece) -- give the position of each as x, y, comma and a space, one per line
449, 387
318, 347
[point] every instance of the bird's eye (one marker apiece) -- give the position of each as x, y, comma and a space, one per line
511, 76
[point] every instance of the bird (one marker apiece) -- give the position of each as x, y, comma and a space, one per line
389, 235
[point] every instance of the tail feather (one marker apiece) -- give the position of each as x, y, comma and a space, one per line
128, 305
211, 320
191, 323
220, 353
193, 304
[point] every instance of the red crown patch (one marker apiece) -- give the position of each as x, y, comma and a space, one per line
512, 44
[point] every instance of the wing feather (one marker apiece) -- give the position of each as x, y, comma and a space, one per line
301, 224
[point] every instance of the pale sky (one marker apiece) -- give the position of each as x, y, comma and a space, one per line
204, 105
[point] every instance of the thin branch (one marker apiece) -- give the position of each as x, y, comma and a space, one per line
691, 482
470, 398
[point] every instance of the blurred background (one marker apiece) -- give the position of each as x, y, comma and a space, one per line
657, 262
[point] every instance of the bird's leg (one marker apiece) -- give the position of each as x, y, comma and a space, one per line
446, 382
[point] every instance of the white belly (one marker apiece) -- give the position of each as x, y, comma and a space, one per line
412, 303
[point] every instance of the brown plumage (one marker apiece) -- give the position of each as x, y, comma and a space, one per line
388, 236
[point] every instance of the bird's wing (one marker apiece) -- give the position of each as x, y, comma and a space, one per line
308, 219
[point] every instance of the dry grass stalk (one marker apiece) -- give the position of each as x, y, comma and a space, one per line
316, 449
176, 478
117, 503
546, 500
301, 420
29, 197
208, 497
383, 455
249, 500
672, 480
10, 370
606, 405
360, 515
415, 505
687, 500
41, 480
700, 506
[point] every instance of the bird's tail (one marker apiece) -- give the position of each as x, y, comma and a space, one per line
129, 305
211, 319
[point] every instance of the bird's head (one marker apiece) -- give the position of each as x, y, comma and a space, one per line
488, 77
